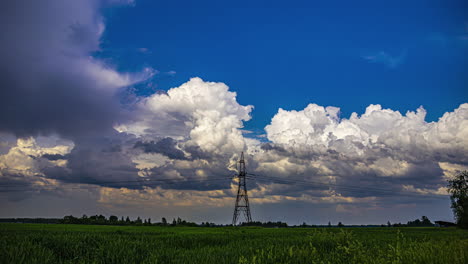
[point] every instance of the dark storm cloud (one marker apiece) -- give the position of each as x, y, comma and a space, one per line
165, 146
54, 156
98, 160
13, 181
216, 178
270, 146
197, 153
16, 186
107, 161
48, 81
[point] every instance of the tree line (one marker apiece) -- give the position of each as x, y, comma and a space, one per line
423, 222
114, 220
31, 220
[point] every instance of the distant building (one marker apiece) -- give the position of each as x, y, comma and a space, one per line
444, 224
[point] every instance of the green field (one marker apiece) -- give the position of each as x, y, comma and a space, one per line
42, 243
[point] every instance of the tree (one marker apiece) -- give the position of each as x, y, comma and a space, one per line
340, 224
425, 221
458, 189
138, 221
70, 219
113, 219
164, 221
84, 219
329, 224
389, 224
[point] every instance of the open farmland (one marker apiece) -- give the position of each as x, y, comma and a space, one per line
48, 243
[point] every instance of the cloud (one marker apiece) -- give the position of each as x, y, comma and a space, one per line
50, 83
21, 167
205, 115
314, 149
144, 50
386, 59
321, 128
191, 132
166, 146
381, 146
313, 155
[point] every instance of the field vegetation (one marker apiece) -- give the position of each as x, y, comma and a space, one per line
50, 243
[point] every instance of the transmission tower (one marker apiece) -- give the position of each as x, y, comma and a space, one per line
242, 200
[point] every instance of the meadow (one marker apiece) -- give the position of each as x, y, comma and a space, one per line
54, 243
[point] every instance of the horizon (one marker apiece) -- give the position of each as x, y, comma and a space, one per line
154, 222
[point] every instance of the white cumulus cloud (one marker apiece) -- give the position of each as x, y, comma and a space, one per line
202, 114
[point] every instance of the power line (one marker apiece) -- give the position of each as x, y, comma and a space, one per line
315, 182
147, 184
350, 189
357, 190
116, 182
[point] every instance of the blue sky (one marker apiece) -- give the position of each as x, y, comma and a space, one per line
401, 55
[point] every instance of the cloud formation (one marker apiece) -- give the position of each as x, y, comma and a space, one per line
205, 115
312, 156
321, 129
381, 146
50, 83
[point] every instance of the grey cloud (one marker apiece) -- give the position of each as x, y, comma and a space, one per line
165, 146
98, 160
108, 161
348, 180
270, 146
216, 178
15, 186
49, 83
197, 153
54, 156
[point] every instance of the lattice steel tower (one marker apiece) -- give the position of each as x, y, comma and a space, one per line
242, 200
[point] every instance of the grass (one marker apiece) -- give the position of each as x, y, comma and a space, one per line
42, 243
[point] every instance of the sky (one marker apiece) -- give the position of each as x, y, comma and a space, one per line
352, 112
